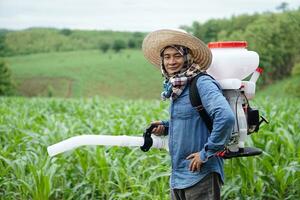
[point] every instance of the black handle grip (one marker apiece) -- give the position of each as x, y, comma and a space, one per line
148, 142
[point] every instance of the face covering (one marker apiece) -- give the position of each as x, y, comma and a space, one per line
174, 84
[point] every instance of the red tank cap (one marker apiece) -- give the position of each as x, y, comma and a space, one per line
259, 70
228, 44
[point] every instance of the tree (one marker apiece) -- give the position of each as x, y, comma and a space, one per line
131, 43
2, 45
104, 47
283, 6
6, 83
119, 45
274, 37
138, 37
66, 32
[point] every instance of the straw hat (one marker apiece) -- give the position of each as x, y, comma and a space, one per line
155, 41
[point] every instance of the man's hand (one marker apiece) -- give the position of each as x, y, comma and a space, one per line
196, 162
159, 130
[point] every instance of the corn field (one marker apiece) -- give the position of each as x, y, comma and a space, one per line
28, 126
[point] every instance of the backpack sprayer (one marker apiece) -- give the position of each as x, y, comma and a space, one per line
231, 63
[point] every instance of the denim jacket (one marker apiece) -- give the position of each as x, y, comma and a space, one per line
188, 133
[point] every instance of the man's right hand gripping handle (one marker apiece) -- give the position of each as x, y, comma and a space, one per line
160, 130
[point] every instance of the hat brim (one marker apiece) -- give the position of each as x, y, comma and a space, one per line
155, 41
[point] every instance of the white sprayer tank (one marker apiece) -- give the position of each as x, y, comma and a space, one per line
231, 63
231, 60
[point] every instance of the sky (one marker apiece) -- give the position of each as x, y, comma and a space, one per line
125, 15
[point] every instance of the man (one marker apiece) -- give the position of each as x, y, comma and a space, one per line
196, 172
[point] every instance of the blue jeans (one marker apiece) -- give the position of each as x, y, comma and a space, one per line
209, 188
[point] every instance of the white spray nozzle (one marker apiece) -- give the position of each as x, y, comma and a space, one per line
105, 140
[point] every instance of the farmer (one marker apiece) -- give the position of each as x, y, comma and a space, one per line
196, 172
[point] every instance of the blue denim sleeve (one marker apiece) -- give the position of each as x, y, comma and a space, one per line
219, 111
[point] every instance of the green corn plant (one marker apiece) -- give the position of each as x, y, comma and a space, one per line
28, 126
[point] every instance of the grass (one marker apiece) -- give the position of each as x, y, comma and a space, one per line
126, 74
289, 87
28, 126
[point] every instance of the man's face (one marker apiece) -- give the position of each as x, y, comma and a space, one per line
173, 60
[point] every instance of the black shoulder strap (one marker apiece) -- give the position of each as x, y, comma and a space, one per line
197, 103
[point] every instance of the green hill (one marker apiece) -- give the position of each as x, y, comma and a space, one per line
86, 73
92, 73
41, 40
